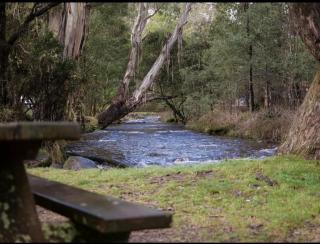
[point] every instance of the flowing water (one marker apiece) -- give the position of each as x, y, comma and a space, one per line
148, 141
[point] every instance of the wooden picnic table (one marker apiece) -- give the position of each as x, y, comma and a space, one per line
21, 141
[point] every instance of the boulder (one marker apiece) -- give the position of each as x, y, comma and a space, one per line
76, 163
100, 153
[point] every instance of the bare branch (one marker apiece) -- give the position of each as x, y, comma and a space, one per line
156, 11
153, 72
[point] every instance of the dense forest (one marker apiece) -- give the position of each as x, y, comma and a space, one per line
234, 69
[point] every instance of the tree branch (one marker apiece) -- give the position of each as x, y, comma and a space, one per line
154, 71
156, 11
35, 12
160, 98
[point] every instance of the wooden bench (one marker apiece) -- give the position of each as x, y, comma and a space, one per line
96, 217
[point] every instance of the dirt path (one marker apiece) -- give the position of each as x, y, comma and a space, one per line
163, 235
307, 233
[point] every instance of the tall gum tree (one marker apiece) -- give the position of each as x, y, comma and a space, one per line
69, 24
304, 135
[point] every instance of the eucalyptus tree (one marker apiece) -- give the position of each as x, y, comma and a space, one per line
303, 137
121, 107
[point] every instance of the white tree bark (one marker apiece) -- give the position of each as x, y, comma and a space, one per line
121, 107
164, 54
70, 25
136, 37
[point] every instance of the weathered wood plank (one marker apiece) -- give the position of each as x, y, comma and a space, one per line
102, 213
39, 131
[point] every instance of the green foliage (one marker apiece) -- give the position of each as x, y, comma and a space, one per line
41, 74
215, 66
6, 114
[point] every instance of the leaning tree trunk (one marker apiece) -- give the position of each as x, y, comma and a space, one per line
304, 135
119, 109
118, 105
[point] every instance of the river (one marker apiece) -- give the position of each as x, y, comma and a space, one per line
148, 141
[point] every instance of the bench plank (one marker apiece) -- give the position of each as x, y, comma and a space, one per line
102, 213
39, 131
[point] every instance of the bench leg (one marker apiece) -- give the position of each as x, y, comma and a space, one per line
18, 217
85, 234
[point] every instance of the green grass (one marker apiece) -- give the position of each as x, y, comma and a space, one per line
223, 201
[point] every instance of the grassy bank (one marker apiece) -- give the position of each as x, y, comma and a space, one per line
275, 199
267, 125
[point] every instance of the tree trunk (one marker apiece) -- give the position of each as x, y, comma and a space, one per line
251, 92
267, 92
120, 108
69, 23
267, 95
303, 137
250, 51
136, 38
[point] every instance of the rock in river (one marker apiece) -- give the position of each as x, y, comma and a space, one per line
76, 163
99, 152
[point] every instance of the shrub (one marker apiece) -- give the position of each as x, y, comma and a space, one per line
10, 114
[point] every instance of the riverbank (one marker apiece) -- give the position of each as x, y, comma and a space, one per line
268, 125
275, 199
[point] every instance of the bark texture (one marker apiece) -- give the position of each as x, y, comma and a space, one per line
120, 108
70, 24
306, 19
136, 38
303, 137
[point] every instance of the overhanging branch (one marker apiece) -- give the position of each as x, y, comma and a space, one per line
35, 12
